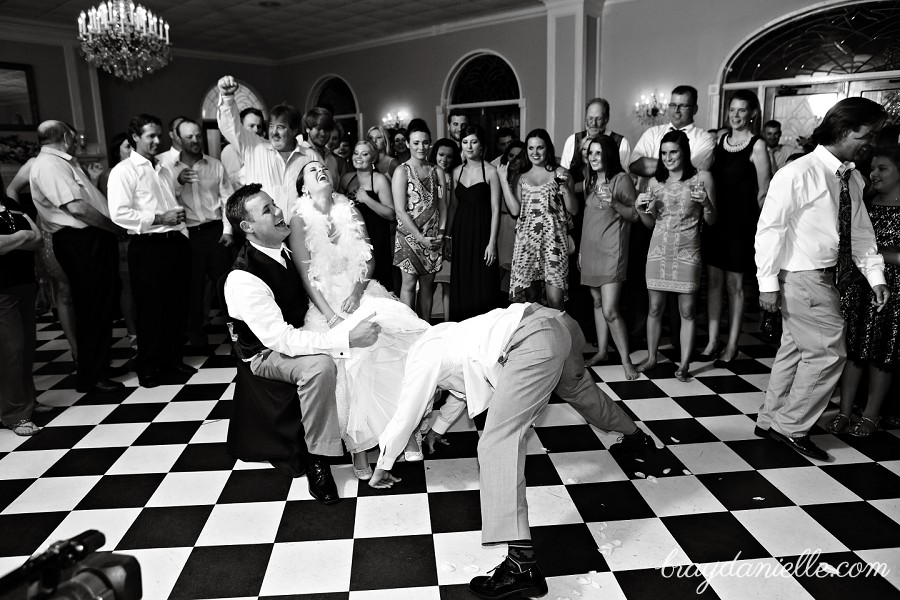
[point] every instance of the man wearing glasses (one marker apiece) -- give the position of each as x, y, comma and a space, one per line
682, 108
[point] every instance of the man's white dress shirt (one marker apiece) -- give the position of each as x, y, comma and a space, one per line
262, 162
138, 191
798, 225
702, 144
463, 358
252, 301
203, 200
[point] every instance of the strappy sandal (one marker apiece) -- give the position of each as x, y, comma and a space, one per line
24, 428
838, 425
864, 427
683, 375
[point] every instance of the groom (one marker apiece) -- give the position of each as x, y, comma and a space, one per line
508, 360
265, 298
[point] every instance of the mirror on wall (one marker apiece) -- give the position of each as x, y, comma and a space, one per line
18, 103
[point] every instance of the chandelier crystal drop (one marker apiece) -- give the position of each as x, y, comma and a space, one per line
124, 39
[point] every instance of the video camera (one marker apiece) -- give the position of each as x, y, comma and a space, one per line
73, 570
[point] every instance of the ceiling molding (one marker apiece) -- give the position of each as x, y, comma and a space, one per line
499, 18
26, 30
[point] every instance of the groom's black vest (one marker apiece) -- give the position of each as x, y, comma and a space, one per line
285, 284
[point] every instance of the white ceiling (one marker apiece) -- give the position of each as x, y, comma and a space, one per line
291, 30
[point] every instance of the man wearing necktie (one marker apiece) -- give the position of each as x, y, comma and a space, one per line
813, 236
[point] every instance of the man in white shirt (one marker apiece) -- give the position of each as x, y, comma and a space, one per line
596, 117
812, 206
84, 242
202, 187
508, 360
778, 152
682, 108
267, 304
142, 200
168, 157
253, 121
275, 162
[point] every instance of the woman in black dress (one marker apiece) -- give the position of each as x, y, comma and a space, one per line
474, 221
741, 173
371, 193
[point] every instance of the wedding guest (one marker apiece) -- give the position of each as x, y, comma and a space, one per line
275, 162
252, 120
812, 230
19, 239
420, 202
385, 164
680, 197
873, 335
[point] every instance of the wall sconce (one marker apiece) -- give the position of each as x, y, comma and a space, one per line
651, 110
395, 120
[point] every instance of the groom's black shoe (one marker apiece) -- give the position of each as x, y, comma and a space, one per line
321, 482
507, 582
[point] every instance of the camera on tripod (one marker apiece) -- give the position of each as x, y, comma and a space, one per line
73, 570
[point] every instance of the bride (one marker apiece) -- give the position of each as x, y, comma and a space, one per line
331, 249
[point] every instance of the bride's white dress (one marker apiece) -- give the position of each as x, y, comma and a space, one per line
369, 379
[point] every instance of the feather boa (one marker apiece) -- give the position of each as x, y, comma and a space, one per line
337, 258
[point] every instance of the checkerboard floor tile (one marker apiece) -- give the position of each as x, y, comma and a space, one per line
715, 512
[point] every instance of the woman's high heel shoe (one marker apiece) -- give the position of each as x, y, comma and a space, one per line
713, 355
415, 455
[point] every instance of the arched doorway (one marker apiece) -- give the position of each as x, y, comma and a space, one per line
334, 93
800, 65
484, 85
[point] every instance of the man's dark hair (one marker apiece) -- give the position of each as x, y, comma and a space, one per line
772, 123
318, 117
505, 132
173, 124
457, 112
601, 101
183, 121
688, 169
236, 205
288, 113
689, 90
849, 115
53, 134
136, 126
252, 110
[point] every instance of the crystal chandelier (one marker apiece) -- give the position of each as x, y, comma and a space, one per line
651, 110
397, 120
124, 40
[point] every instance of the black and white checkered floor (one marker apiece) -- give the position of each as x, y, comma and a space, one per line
148, 468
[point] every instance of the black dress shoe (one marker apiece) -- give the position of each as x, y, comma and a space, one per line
103, 386
505, 582
802, 445
760, 432
148, 381
321, 482
633, 443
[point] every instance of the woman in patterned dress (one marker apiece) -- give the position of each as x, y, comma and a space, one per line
873, 337
673, 207
420, 201
541, 255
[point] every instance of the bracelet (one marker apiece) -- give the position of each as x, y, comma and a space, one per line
333, 319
